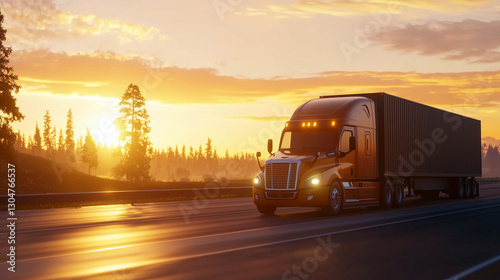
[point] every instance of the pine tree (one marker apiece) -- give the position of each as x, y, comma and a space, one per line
134, 127
37, 140
46, 131
89, 151
60, 144
208, 149
9, 112
70, 137
183, 154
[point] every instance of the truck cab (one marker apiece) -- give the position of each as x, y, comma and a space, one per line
327, 157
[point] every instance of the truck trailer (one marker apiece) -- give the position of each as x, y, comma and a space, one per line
368, 149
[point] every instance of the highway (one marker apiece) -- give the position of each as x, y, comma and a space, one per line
228, 239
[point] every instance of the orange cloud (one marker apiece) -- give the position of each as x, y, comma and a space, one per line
471, 40
108, 76
341, 8
31, 23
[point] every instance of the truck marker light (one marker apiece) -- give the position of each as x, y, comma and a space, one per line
286, 125
333, 123
308, 124
256, 181
314, 124
303, 124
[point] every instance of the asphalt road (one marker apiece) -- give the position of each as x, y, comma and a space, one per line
229, 239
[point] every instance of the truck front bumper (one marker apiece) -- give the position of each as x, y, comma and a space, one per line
308, 197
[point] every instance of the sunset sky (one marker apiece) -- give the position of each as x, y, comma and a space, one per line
234, 70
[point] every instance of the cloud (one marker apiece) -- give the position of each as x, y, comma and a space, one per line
31, 23
108, 76
342, 8
470, 40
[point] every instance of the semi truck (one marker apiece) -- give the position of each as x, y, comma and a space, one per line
368, 149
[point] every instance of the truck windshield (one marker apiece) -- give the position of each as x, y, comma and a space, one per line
307, 141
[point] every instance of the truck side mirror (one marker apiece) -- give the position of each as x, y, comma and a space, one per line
352, 143
258, 161
270, 146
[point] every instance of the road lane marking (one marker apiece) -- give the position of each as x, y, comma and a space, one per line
475, 268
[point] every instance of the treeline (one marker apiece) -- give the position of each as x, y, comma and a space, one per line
183, 164
173, 164
491, 160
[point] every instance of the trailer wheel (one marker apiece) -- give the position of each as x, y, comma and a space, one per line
467, 188
385, 195
398, 194
458, 189
474, 192
336, 200
266, 209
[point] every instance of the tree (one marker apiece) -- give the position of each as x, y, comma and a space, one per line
183, 153
70, 137
60, 143
208, 149
53, 140
133, 125
37, 145
9, 112
46, 131
89, 151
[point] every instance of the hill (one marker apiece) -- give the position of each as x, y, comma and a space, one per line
35, 175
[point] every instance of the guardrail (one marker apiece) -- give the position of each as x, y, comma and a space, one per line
134, 196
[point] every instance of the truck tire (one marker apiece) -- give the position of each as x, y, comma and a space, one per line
474, 192
335, 200
266, 209
385, 195
467, 188
398, 194
458, 188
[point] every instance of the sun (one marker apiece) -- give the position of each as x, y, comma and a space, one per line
106, 134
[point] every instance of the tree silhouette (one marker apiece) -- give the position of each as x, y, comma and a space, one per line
46, 131
134, 128
70, 137
37, 145
9, 112
89, 151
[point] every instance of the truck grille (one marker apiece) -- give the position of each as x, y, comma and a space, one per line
281, 175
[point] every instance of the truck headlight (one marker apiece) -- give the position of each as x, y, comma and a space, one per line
314, 180
256, 181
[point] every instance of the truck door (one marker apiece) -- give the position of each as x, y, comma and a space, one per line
348, 163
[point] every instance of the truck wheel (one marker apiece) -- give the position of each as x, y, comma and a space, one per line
474, 192
458, 189
266, 209
398, 194
336, 200
467, 189
385, 195
429, 194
